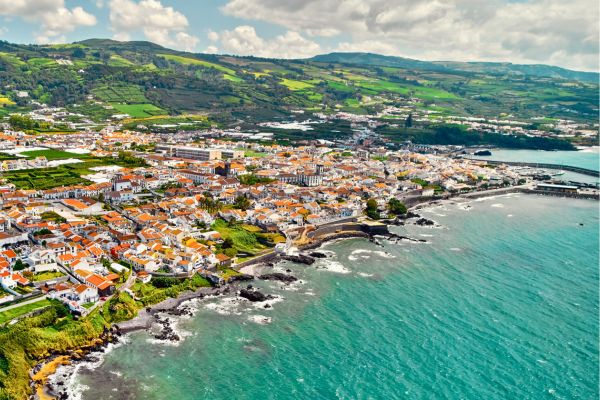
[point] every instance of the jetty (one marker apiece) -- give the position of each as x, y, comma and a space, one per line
579, 170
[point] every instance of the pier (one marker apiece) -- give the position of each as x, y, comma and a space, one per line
579, 170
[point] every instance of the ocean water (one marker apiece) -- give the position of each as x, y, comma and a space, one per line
501, 303
585, 158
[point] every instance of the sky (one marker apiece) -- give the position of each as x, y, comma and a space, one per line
556, 32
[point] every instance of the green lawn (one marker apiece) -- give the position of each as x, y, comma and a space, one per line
18, 311
46, 276
52, 154
252, 153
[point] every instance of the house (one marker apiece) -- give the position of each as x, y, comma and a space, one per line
104, 286
119, 197
86, 294
144, 277
223, 260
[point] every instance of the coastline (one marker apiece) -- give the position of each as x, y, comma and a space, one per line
147, 317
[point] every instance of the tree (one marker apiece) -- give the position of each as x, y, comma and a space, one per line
78, 53
19, 265
396, 207
227, 243
409, 121
371, 209
22, 122
242, 202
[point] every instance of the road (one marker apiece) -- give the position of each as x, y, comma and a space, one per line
128, 283
23, 303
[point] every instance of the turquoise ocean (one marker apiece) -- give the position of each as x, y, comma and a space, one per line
586, 158
501, 303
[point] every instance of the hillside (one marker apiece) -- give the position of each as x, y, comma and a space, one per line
492, 68
99, 78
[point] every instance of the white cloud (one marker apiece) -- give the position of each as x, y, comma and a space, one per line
53, 17
163, 25
548, 31
211, 50
243, 40
212, 36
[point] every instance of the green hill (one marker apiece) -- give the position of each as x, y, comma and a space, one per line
101, 77
495, 68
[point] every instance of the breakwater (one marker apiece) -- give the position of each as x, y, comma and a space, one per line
579, 170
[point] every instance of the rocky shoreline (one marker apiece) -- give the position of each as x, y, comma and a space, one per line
154, 316
39, 381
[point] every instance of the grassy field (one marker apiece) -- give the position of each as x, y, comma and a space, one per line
195, 61
46, 276
128, 94
247, 238
296, 85
138, 110
252, 153
5, 101
18, 311
52, 154
118, 61
242, 239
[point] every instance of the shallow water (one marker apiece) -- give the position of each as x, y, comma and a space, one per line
502, 303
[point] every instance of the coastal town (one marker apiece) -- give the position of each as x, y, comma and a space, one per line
147, 206
257, 199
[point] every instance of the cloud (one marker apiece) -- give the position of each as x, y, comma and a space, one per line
53, 17
211, 50
528, 31
163, 25
212, 36
243, 40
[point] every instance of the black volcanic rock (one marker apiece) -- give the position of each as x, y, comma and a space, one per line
316, 254
254, 295
300, 259
277, 276
424, 222
241, 278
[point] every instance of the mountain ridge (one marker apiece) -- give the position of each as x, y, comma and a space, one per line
542, 70
102, 77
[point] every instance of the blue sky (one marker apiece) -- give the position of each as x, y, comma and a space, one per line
555, 32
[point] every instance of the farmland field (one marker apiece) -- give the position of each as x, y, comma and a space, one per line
130, 94
296, 85
63, 175
195, 61
138, 110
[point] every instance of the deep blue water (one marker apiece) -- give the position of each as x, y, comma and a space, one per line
501, 304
